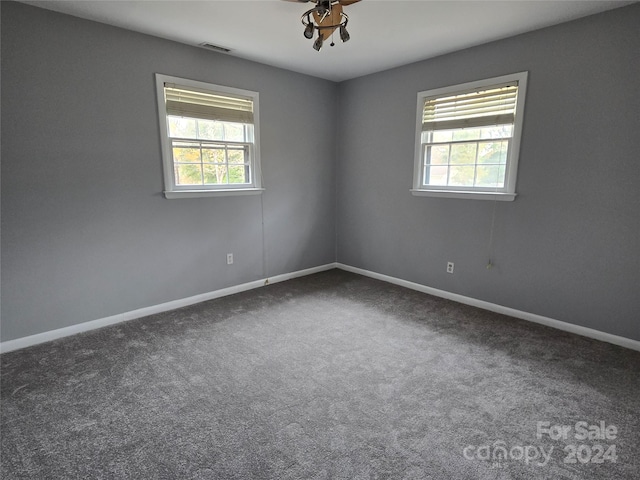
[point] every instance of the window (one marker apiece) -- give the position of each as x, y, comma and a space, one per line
209, 138
468, 137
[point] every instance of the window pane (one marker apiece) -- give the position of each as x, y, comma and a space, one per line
466, 134
504, 150
182, 127
461, 176
212, 154
215, 174
233, 132
436, 175
442, 136
238, 174
437, 155
210, 130
490, 176
492, 152
464, 153
497, 131
188, 174
186, 153
236, 156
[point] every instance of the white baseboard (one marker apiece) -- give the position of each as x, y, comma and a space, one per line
24, 342
531, 317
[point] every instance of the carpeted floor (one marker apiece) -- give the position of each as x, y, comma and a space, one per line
331, 376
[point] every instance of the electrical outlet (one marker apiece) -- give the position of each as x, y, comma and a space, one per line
229, 258
449, 267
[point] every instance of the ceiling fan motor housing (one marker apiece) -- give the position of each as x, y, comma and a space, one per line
325, 17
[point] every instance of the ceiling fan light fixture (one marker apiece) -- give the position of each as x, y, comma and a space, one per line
308, 30
326, 17
344, 35
317, 45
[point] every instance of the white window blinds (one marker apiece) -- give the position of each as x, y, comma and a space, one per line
196, 103
494, 105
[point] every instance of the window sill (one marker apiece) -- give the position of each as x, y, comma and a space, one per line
212, 193
503, 197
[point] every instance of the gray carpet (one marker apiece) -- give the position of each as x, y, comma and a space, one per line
331, 376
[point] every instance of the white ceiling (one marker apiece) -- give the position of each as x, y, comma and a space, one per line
384, 34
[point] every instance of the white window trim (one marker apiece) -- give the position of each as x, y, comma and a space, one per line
173, 191
508, 193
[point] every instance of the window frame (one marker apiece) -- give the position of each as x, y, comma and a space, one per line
171, 189
506, 193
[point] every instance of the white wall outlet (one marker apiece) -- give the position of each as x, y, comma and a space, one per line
229, 258
449, 267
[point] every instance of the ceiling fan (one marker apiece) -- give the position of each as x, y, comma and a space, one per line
325, 17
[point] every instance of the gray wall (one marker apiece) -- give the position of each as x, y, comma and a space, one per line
569, 246
86, 232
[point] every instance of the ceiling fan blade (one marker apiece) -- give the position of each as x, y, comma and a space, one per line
348, 2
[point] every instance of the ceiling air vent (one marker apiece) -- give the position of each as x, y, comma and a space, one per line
216, 48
